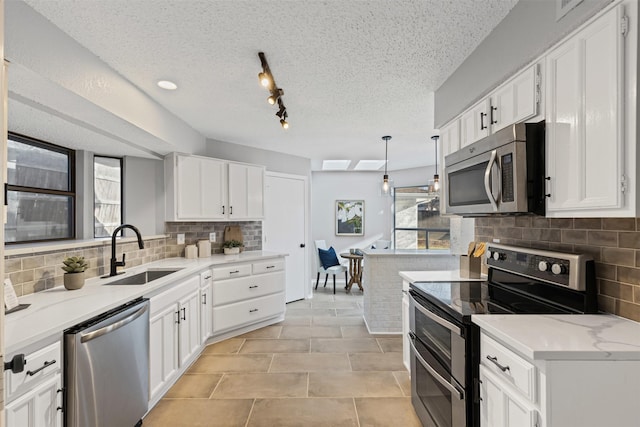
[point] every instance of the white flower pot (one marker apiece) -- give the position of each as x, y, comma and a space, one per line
231, 251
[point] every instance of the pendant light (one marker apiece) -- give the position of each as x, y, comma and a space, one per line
386, 184
436, 177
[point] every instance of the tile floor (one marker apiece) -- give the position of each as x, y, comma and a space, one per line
319, 367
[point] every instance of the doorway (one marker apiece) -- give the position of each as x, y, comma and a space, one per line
285, 225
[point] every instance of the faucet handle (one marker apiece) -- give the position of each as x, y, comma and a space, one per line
121, 263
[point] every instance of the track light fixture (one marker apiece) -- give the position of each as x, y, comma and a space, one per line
267, 80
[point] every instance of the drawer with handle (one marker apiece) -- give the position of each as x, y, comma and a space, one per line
508, 366
247, 287
231, 272
38, 365
268, 266
245, 312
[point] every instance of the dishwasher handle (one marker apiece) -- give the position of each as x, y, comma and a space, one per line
114, 326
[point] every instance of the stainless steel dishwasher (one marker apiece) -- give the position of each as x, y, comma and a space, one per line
107, 368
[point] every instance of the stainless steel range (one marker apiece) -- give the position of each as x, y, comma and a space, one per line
445, 344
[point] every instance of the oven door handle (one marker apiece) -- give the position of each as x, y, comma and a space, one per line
436, 318
454, 390
488, 187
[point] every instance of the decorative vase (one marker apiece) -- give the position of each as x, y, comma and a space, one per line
231, 251
73, 281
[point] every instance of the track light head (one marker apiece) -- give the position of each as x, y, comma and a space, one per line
284, 124
264, 79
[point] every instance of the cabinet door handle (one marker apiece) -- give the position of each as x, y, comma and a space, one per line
222, 209
253, 286
204, 299
234, 272
270, 266
493, 121
178, 317
494, 360
207, 278
230, 210
482, 126
46, 365
253, 310
184, 313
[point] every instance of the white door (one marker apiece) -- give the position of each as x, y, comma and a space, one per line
285, 226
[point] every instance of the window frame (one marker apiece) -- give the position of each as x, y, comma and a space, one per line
71, 173
416, 229
93, 163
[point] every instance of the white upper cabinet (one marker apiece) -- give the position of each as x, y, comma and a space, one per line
514, 101
450, 138
206, 189
588, 174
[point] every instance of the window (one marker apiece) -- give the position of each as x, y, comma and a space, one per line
40, 191
417, 220
107, 202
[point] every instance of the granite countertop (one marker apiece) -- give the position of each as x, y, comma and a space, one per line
437, 276
404, 252
56, 309
565, 337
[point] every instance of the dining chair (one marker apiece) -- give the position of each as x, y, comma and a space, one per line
321, 244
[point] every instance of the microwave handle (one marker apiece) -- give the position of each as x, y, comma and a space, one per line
487, 183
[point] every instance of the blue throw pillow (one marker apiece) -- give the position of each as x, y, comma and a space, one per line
328, 257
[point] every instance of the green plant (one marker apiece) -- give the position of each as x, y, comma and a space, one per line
232, 244
75, 264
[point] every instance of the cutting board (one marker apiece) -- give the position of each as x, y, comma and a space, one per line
233, 232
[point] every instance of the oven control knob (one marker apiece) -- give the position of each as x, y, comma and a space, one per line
544, 266
499, 256
558, 269
488, 254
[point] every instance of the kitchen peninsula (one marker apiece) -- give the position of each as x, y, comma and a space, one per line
383, 285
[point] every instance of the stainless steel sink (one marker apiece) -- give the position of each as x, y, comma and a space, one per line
144, 277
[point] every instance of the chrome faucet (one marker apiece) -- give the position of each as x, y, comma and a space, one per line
114, 262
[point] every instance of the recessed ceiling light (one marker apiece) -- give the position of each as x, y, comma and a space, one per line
369, 165
168, 85
335, 165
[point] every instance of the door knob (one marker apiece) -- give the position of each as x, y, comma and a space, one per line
302, 245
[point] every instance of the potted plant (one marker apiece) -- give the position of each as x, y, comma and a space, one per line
74, 267
232, 247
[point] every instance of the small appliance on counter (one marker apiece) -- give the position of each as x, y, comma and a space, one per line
445, 344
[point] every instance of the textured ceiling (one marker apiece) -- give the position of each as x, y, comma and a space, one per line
351, 71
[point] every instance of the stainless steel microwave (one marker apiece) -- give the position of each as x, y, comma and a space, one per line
502, 173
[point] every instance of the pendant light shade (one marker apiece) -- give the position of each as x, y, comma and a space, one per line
387, 184
436, 177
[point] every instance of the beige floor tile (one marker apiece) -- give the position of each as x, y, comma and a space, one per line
296, 321
390, 344
310, 362
342, 312
404, 379
311, 332
334, 304
324, 294
307, 412
355, 332
217, 363
346, 345
353, 384
194, 386
231, 345
275, 346
262, 385
338, 321
266, 332
199, 412
315, 312
376, 361
386, 411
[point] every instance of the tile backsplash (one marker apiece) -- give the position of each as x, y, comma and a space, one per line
614, 244
37, 271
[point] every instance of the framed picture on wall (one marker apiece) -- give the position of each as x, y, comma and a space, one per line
349, 217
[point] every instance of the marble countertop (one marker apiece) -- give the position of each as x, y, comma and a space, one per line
56, 309
405, 252
437, 276
565, 337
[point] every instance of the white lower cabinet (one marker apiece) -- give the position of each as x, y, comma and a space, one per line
40, 407
34, 396
502, 407
241, 301
174, 333
206, 305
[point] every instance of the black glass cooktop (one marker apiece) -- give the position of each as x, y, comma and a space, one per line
459, 299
